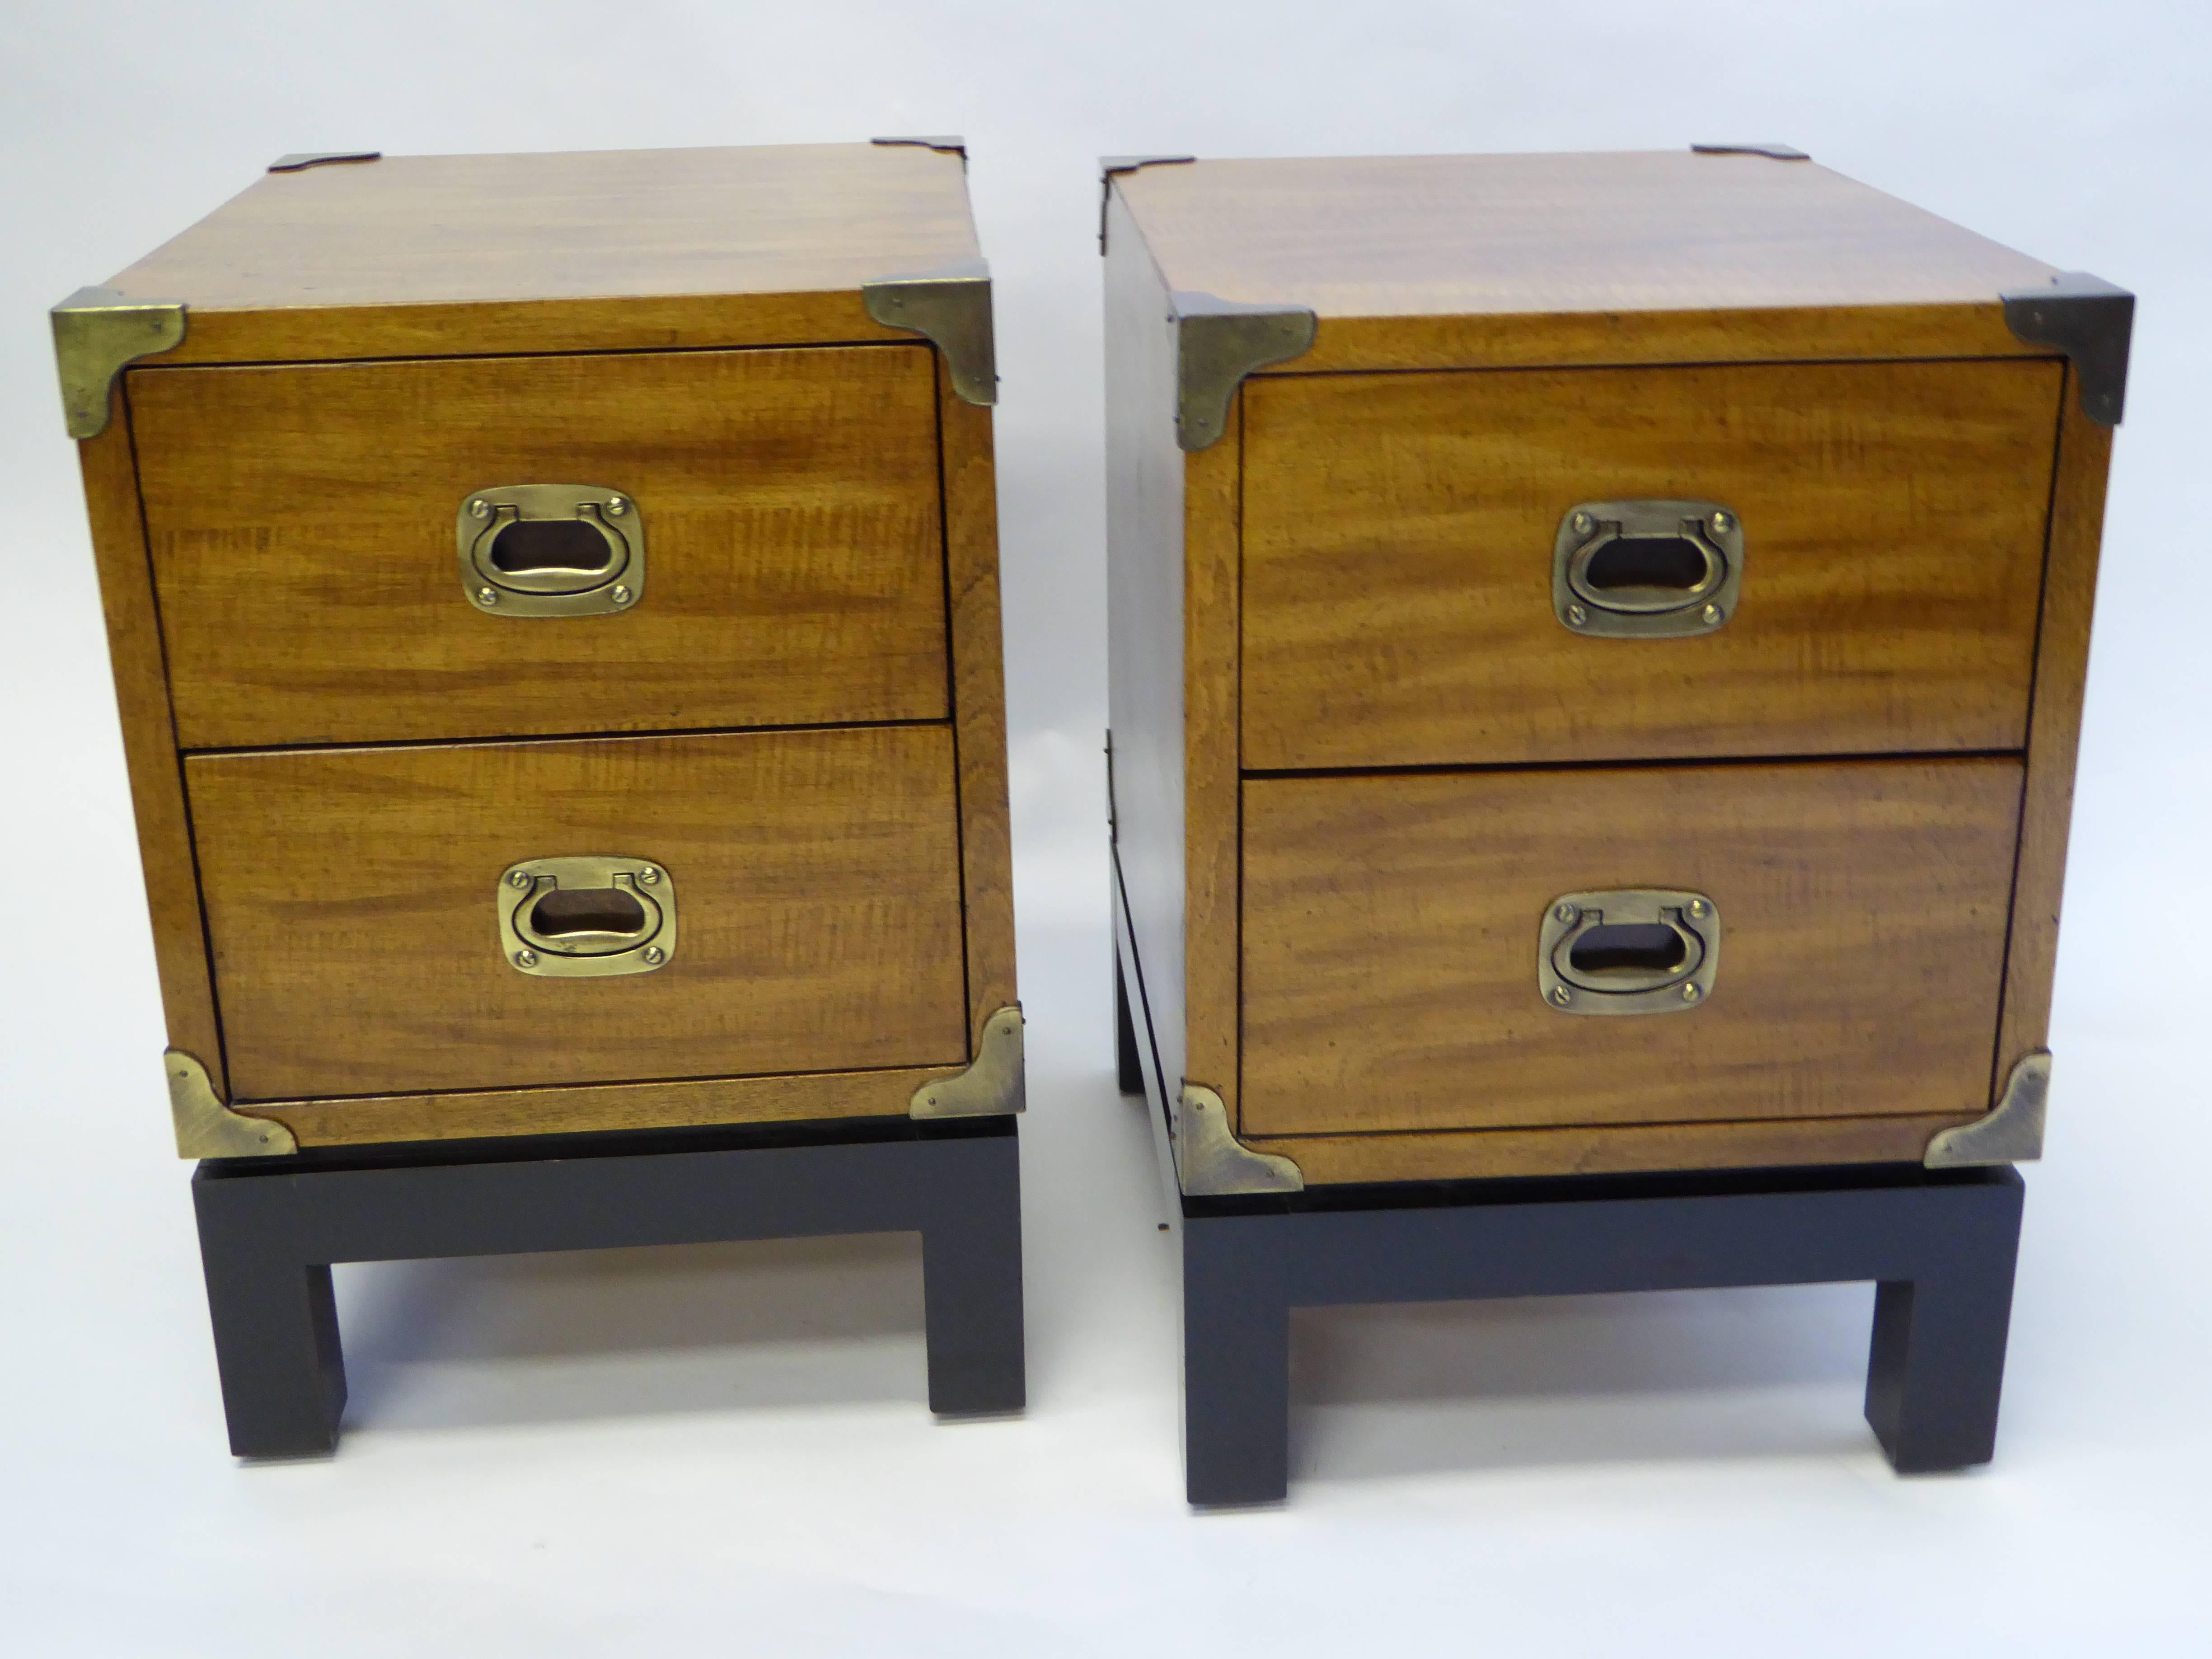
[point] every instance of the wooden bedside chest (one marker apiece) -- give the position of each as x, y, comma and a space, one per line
555, 614
1597, 653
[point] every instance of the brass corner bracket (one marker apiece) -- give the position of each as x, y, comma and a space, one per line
1112, 166
951, 309
2091, 321
1211, 1163
1218, 344
300, 159
2012, 1130
98, 333
208, 1128
993, 1085
1771, 152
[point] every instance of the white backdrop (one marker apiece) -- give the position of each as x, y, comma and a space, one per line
727, 1448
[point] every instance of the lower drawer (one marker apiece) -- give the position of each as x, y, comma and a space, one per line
355, 901
1393, 928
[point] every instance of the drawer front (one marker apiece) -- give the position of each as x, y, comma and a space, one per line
303, 523
1400, 534
354, 902
1392, 930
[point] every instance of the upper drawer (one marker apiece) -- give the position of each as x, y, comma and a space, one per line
302, 525
1400, 534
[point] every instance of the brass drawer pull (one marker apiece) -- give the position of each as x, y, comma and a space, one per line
1628, 951
551, 551
587, 917
1647, 569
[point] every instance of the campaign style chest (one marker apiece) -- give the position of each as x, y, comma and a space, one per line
555, 617
1597, 651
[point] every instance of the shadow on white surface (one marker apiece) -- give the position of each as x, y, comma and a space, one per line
1385, 1391
616, 1334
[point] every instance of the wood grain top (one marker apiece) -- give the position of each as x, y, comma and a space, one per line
1436, 235
612, 224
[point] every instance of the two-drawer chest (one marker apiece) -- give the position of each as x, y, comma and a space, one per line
554, 608
1597, 650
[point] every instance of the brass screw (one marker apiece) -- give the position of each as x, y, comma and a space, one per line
617, 506
648, 875
1714, 616
1582, 523
621, 595
487, 595
525, 958
1697, 907
479, 508
1577, 615
519, 878
655, 955
1723, 523
1691, 992
1561, 996
1565, 913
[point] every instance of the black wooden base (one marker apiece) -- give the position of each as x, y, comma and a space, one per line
271, 1228
1940, 1246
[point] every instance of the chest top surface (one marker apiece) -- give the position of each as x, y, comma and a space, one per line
1460, 235
591, 225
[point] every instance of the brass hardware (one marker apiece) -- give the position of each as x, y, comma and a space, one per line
993, 1086
1112, 166
300, 159
1646, 569
592, 565
98, 333
951, 309
1771, 152
2011, 1132
2091, 321
1628, 951
1218, 344
1211, 1163
206, 1127
631, 930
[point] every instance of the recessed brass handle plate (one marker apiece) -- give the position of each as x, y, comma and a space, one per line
1647, 569
551, 551
1628, 951
587, 917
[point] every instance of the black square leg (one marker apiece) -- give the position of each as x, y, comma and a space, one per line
1937, 1364
275, 1322
1236, 1362
971, 1283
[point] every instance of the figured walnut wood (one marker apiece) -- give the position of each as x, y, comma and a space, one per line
1144, 583
979, 698
350, 895
149, 749
302, 525
1391, 924
1325, 1160
1398, 554
1645, 231
2077, 519
1210, 830
645, 249
597, 1107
